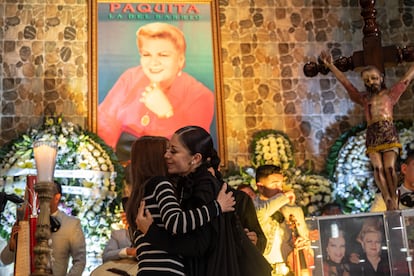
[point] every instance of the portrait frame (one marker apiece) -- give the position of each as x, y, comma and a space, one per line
198, 51
408, 242
350, 225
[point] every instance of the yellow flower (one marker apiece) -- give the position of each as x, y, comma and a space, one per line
26, 164
83, 165
88, 184
267, 156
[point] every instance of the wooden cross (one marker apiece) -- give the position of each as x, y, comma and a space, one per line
373, 53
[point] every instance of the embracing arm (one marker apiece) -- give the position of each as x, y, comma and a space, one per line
178, 221
192, 244
195, 243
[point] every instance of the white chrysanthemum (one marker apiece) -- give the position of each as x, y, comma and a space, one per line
76, 151
353, 173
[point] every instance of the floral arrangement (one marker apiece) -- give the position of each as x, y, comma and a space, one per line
274, 147
349, 179
93, 198
350, 169
243, 176
312, 190
406, 135
353, 177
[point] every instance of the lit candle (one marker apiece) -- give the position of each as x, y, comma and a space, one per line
45, 157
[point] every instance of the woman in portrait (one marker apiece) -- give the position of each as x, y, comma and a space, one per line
155, 97
334, 245
372, 262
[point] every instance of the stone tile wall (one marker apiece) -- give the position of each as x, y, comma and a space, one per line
265, 43
44, 63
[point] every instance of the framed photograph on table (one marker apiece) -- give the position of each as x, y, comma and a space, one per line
155, 67
408, 223
354, 244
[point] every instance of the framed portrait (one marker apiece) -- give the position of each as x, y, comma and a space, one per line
408, 228
155, 67
349, 243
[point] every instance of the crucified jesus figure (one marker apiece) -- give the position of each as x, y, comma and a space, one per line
382, 141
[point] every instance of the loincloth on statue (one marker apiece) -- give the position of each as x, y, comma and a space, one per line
382, 136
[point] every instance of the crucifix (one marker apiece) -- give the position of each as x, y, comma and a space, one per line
382, 140
372, 54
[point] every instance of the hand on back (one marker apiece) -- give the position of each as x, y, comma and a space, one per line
226, 200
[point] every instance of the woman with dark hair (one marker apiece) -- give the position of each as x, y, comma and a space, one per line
149, 183
215, 248
334, 251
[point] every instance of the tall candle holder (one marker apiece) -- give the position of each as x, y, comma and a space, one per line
45, 158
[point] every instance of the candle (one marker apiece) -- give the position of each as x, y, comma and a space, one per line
45, 157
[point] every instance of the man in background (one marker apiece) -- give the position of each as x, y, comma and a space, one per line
282, 222
68, 241
248, 190
120, 245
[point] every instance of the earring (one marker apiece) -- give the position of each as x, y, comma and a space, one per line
179, 73
192, 162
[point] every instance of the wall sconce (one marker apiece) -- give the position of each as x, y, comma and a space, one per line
45, 158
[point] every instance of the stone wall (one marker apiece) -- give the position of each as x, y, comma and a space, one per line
265, 43
44, 63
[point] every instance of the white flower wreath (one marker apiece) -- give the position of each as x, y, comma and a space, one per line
88, 170
272, 147
354, 181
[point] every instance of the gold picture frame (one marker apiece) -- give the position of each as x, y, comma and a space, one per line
198, 20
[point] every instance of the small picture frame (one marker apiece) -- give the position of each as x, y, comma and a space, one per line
349, 244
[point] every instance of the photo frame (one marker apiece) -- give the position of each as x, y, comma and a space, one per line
343, 242
113, 49
408, 226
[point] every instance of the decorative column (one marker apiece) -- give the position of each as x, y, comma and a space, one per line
45, 157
